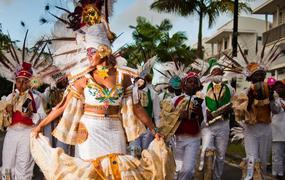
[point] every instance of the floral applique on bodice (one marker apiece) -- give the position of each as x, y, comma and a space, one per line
97, 95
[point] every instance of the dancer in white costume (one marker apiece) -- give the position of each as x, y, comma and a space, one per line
98, 114
278, 125
188, 132
215, 132
19, 111
252, 109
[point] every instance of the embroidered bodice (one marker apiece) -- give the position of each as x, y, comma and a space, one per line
96, 95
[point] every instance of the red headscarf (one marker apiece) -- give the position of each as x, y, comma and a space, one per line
191, 74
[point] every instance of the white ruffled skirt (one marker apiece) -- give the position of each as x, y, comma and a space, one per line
102, 155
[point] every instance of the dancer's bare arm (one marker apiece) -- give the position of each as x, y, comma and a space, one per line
141, 113
58, 110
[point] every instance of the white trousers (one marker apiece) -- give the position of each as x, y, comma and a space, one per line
185, 152
16, 153
257, 142
216, 137
278, 149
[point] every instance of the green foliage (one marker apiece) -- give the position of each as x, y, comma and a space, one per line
5, 87
4, 40
210, 8
155, 40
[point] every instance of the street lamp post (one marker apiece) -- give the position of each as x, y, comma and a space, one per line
235, 37
235, 29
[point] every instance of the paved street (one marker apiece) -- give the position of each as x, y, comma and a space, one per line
231, 173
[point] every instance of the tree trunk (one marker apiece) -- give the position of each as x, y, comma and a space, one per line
200, 48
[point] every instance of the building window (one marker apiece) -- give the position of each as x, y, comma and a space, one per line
226, 45
245, 52
259, 38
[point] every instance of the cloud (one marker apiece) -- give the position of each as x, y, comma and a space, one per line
139, 8
7, 2
121, 22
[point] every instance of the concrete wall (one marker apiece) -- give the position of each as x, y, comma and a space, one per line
247, 23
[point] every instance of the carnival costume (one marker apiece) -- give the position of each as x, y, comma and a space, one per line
187, 134
51, 97
278, 135
101, 138
252, 108
182, 133
167, 79
149, 100
215, 132
17, 162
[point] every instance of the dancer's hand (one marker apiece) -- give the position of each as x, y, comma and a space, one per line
184, 115
158, 136
9, 108
36, 131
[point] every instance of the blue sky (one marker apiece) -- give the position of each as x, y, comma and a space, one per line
125, 13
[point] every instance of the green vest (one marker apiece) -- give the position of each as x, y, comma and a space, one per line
214, 104
149, 107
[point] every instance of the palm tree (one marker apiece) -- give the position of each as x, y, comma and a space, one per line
5, 85
210, 8
4, 40
154, 40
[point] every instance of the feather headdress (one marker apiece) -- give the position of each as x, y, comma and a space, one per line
86, 12
169, 74
70, 45
14, 60
262, 61
145, 68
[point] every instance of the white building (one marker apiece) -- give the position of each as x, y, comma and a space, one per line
276, 9
249, 37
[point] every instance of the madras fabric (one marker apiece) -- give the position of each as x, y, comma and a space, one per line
260, 112
132, 125
157, 162
168, 118
5, 118
68, 129
240, 103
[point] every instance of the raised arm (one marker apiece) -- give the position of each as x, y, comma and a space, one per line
58, 110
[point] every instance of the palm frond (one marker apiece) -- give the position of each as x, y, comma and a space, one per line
181, 7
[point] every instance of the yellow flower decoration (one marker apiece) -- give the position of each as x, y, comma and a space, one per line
104, 51
102, 71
